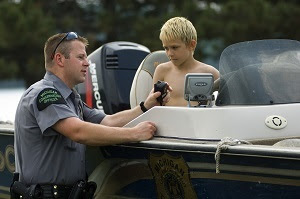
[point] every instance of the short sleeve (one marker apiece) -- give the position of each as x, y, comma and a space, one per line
50, 107
92, 115
52, 114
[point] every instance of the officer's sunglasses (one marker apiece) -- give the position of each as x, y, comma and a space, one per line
67, 37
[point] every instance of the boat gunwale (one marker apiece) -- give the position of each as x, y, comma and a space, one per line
211, 147
200, 146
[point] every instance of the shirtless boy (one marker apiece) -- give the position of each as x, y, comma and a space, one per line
179, 39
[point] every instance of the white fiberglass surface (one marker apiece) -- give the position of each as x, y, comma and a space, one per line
240, 122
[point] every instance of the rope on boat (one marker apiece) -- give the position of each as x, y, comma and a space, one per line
223, 145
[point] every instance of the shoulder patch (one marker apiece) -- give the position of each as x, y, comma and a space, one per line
49, 96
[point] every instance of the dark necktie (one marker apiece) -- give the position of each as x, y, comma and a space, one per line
77, 103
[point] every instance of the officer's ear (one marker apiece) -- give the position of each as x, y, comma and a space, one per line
59, 59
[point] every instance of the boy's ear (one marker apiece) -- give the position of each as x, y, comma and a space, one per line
193, 44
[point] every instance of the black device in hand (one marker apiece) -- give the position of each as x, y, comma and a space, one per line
162, 87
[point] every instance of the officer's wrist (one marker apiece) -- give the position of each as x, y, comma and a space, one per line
142, 106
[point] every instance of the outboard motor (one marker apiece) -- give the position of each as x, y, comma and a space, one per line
110, 75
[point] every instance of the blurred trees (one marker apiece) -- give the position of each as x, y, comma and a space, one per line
23, 30
26, 24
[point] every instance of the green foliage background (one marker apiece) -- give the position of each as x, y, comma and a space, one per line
26, 24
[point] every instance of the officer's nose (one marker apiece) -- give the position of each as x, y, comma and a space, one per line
86, 63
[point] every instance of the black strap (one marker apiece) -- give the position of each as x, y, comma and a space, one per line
144, 109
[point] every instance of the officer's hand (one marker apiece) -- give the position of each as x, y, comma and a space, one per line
168, 96
152, 98
144, 131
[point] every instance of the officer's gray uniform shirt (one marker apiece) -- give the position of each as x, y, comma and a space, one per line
42, 154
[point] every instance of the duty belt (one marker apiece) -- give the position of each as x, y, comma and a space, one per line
56, 191
80, 190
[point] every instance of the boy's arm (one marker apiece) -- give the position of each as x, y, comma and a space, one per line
215, 73
158, 74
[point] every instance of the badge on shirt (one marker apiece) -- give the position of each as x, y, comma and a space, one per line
49, 96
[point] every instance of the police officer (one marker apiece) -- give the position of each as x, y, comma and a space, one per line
53, 125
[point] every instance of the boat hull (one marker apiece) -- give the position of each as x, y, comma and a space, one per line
188, 170
179, 168
7, 159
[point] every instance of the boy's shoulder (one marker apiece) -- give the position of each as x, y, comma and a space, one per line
206, 68
164, 66
203, 66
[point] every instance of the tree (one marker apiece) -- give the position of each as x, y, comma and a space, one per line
23, 30
25, 26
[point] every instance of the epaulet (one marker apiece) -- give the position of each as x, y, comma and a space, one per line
47, 97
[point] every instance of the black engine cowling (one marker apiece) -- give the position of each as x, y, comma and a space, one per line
110, 75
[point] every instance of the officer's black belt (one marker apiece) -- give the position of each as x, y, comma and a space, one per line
80, 190
56, 191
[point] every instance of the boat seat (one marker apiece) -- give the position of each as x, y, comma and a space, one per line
143, 79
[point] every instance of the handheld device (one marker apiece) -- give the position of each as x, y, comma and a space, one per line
162, 87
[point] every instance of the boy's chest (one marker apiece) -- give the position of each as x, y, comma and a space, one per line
177, 84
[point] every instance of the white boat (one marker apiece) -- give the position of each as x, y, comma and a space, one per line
246, 145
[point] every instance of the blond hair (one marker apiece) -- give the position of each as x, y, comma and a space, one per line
64, 47
178, 28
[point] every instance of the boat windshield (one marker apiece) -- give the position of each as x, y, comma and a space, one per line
259, 73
